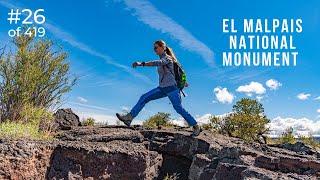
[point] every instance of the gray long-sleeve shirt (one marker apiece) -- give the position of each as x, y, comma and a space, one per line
165, 70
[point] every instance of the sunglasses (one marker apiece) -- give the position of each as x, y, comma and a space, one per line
156, 47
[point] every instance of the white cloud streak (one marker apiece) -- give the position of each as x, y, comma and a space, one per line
93, 107
151, 16
68, 37
81, 99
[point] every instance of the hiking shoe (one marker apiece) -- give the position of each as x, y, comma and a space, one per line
125, 118
196, 130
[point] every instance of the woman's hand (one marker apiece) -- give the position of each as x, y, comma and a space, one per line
135, 64
186, 84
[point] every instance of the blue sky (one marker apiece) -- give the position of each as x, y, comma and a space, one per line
103, 38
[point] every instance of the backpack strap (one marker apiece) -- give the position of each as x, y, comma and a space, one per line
180, 90
182, 93
178, 64
170, 70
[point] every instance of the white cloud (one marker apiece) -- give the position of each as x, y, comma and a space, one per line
102, 118
303, 96
253, 87
317, 98
259, 98
201, 119
180, 122
82, 99
100, 114
151, 16
318, 110
223, 95
273, 84
300, 126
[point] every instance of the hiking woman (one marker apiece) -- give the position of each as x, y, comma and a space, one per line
167, 87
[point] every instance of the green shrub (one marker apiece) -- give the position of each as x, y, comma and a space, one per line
13, 130
174, 176
287, 137
309, 140
247, 121
159, 120
222, 124
34, 123
39, 117
271, 141
207, 126
88, 122
249, 127
34, 72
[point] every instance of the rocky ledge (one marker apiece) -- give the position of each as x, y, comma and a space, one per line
118, 152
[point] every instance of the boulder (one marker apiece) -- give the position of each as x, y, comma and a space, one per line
299, 147
65, 119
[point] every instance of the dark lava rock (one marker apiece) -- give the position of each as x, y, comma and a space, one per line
119, 152
65, 118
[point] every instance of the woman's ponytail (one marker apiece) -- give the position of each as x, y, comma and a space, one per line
167, 49
170, 53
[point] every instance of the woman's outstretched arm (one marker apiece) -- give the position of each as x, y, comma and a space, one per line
135, 64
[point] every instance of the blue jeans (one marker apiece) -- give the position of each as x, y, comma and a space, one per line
174, 95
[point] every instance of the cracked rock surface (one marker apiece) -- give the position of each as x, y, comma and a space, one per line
118, 152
